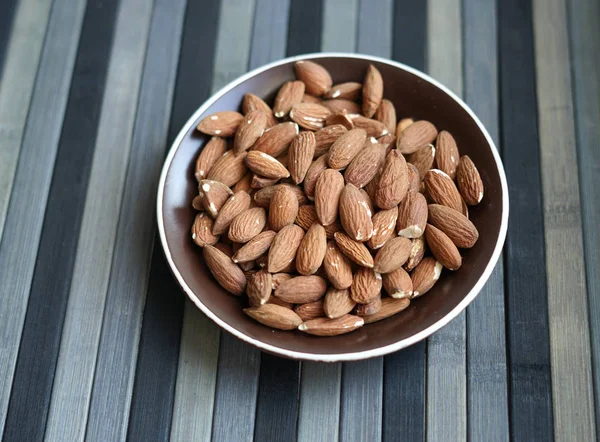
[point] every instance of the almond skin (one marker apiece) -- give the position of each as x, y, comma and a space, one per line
416, 136
417, 251
265, 165
247, 225
355, 214
251, 128
372, 91
236, 204
366, 285
351, 90
425, 275
392, 255
332, 327
252, 102
345, 148
340, 105
392, 185
325, 137
442, 190
446, 154
370, 308
327, 195
202, 231
414, 180
412, 215
254, 248
274, 316
312, 175
384, 225
227, 274
443, 248
389, 307
302, 289
310, 310
221, 124
386, 113
262, 198
307, 216
354, 250
422, 159
398, 284
278, 279
259, 288
307, 98
301, 153
312, 250
309, 116
213, 195
341, 119
229, 169
197, 203
275, 140
365, 165
284, 247
283, 208
459, 229
315, 77
291, 93
212, 151
337, 267
337, 303
469, 181
260, 182
403, 124
373, 128
244, 183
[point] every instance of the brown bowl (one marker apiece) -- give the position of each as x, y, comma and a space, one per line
414, 94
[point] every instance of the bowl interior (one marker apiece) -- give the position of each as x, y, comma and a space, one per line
413, 96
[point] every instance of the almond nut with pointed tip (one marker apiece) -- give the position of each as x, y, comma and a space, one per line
309, 116
251, 129
202, 230
356, 251
275, 316
386, 113
213, 194
423, 159
366, 285
384, 228
372, 92
236, 204
247, 225
425, 275
337, 267
441, 189
291, 93
221, 124
315, 77
327, 195
340, 105
262, 197
210, 153
244, 184
307, 216
446, 153
351, 90
442, 248
312, 175
398, 284
417, 252
345, 148
392, 255
369, 308
259, 288
373, 128
256, 247
311, 251
325, 137
355, 214
365, 165
469, 181
252, 102
227, 274
275, 140
392, 185
342, 119
403, 124
415, 136
459, 229
300, 155
197, 203
284, 247
283, 208
337, 302
280, 278
389, 307
412, 215
414, 180
310, 310
302, 289
229, 169
265, 165
332, 327
260, 182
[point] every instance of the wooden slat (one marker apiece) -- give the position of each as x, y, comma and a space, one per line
8, 8
28, 200
446, 349
584, 16
527, 308
340, 20
71, 404
487, 386
375, 27
40, 342
572, 386
304, 33
269, 31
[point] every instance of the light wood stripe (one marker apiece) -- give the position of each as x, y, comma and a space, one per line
584, 16
375, 27
572, 389
75, 371
269, 33
25, 215
446, 356
340, 21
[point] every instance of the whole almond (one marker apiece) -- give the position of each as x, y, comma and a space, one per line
252, 102
422, 159
418, 134
212, 151
351, 90
441, 189
417, 251
213, 195
307, 98
247, 225
310, 310
354, 250
340, 105
236, 204
202, 230
469, 181
312, 175
327, 195
259, 288
389, 307
301, 154
412, 215
342, 119
307, 216
274, 316
229, 169
277, 301
373, 128
227, 274
446, 153
278, 279
392, 185
345, 148
315, 77
443, 248
244, 184
291, 93
251, 129
403, 124
275, 140
311, 251
302, 289
221, 124
337, 267
337, 302
414, 180
332, 327
365, 165
372, 92
425, 275
197, 203
254, 248
284, 247
369, 308
262, 198
386, 113
283, 208
260, 182
366, 285
310, 116
388, 140
355, 214
265, 165
392, 255
325, 137
384, 228
367, 199
398, 284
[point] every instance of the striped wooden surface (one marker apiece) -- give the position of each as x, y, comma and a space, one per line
98, 343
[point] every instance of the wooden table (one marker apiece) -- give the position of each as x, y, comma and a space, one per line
98, 342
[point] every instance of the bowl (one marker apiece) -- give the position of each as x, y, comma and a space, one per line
414, 94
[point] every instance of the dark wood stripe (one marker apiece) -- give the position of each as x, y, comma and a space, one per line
7, 13
156, 371
525, 272
304, 34
404, 371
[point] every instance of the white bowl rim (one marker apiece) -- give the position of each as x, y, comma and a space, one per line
349, 356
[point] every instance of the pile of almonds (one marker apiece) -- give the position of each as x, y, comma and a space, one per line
315, 205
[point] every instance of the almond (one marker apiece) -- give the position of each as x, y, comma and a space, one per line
372, 92
291, 93
310, 99
425, 275
225, 248
339, 105
247, 225
221, 124
459, 229
315, 77
422, 159
301, 153
262, 198
337, 302
469, 181
367, 199
259, 288
202, 230
311, 250
337, 267
417, 251
284, 247
244, 184
345, 148
414, 181
384, 224
369, 308
388, 140
412, 215
398, 284
355, 214
350, 90
307, 216
415, 136
254, 248
236, 204
212, 151
260, 182
365, 165
325, 137
310, 310
283, 208
389, 307
197, 203
302, 289
386, 113
275, 140
228, 169
265, 165
403, 124
373, 128
227, 274
342, 119
310, 116
275, 316
443, 248
252, 102
251, 129
276, 301
446, 154
278, 279
354, 250
332, 327
392, 255
442, 190
327, 195
392, 185
312, 175
213, 195
366, 285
